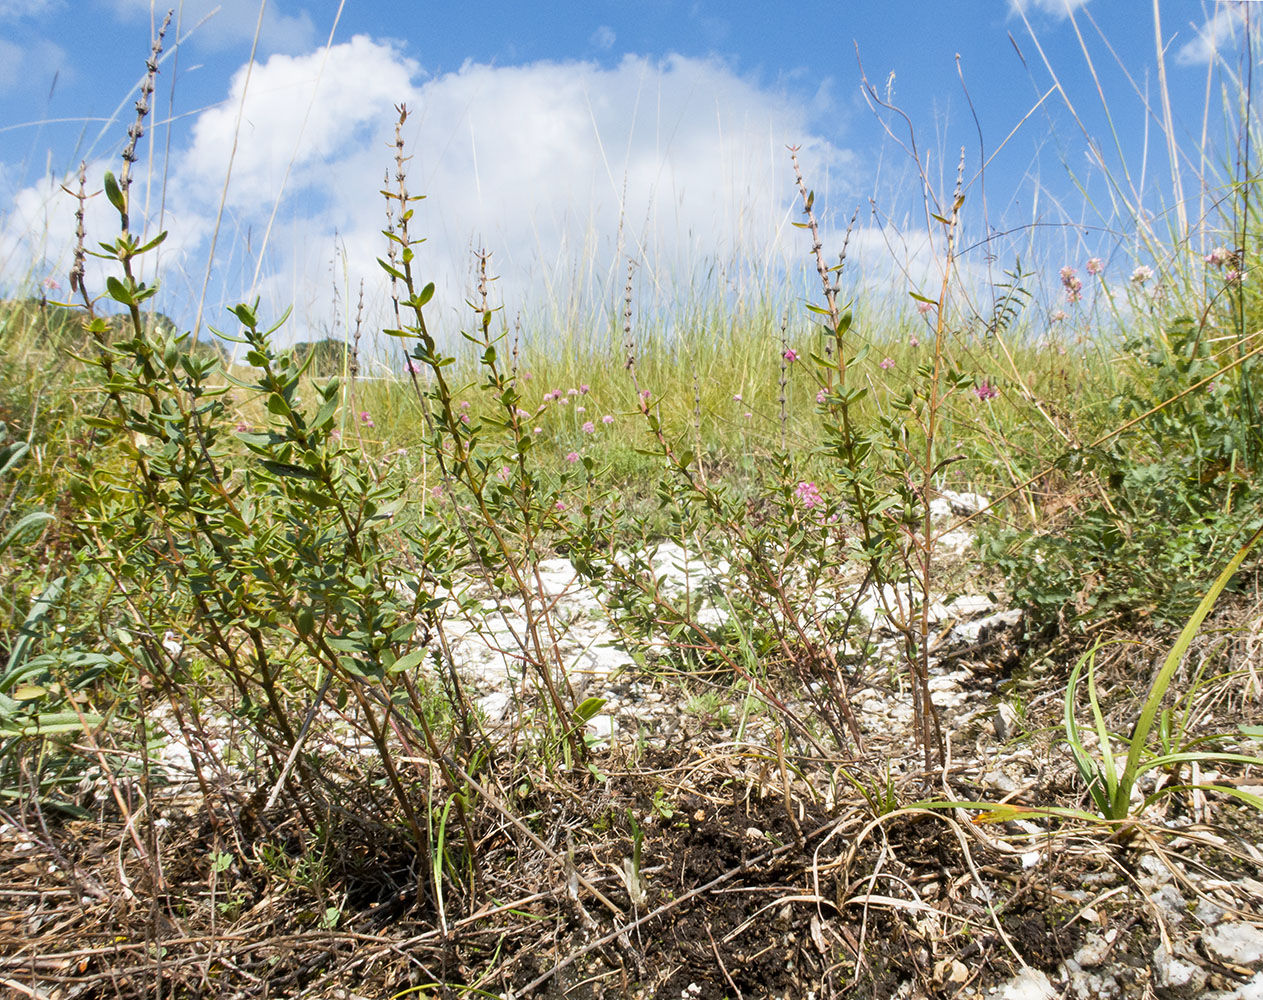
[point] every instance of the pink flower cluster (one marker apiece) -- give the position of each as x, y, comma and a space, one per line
1071, 283
1222, 257
985, 391
808, 495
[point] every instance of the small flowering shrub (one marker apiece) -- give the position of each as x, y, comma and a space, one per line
1188, 453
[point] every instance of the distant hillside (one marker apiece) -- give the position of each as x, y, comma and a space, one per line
49, 325
329, 357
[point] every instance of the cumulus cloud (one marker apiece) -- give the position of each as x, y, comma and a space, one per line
37, 231
29, 67
1221, 29
26, 8
562, 170
231, 22
1056, 8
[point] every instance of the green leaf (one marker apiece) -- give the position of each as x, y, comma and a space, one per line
155, 242
114, 193
409, 661
119, 292
586, 709
31, 520
13, 454
288, 471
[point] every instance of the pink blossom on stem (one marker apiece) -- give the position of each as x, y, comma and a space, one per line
808, 495
887, 363
985, 391
790, 355
572, 457
1095, 265
589, 427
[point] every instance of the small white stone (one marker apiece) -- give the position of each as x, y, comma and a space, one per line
1235, 942
495, 704
1172, 972
1095, 949
601, 728
1029, 984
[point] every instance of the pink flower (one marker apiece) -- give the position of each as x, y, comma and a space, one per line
589, 427
808, 495
607, 419
412, 368
1095, 265
986, 391
1071, 283
572, 457
572, 392
559, 506
1057, 316
926, 307
51, 284
527, 376
581, 409
736, 397
644, 393
1232, 276
790, 355
583, 389
244, 428
887, 363
822, 395
1217, 257
1142, 274
913, 342
538, 430
366, 419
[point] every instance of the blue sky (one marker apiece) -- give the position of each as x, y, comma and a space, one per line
568, 137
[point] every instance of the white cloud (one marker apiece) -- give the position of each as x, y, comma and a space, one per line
562, 170
26, 8
231, 22
1222, 28
30, 67
37, 231
1057, 8
603, 38
554, 167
